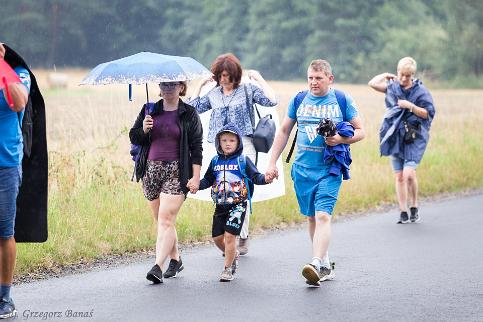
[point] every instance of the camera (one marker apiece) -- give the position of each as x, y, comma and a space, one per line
326, 128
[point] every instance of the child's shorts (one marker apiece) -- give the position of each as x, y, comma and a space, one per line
228, 218
316, 189
161, 176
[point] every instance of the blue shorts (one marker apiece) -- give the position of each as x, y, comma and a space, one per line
316, 189
399, 164
10, 179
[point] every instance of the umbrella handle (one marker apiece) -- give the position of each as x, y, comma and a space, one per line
7, 91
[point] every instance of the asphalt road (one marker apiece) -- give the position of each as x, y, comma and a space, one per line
430, 271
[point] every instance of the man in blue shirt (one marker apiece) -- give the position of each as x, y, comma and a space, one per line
316, 188
11, 153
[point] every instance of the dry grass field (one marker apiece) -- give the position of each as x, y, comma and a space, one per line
94, 208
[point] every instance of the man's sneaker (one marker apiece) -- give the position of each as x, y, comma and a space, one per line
327, 274
311, 274
155, 275
7, 309
243, 246
226, 275
403, 218
414, 214
234, 265
174, 268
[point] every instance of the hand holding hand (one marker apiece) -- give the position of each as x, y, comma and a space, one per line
271, 173
193, 184
148, 123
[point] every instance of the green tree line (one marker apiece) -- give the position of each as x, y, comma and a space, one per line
277, 37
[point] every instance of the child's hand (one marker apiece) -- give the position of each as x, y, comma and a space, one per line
193, 184
268, 179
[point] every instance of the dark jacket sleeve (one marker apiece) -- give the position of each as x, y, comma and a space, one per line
136, 134
254, 174
195, 137
208, 179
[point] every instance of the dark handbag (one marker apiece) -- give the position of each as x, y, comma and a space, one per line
264, 132
410, 132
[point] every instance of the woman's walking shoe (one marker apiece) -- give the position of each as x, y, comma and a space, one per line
414, 214
243, 246
311, 275
174, 268
326, 274
226, 275
403, 218
155, 275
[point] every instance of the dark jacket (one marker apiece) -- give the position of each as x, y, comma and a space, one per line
31, 217
190, 141
392, 129
224, 176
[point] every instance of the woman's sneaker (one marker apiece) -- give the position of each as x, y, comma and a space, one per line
327, 274
243, 246
226, 275
403, 218
155, 275
311, 275
414, 214
174, 268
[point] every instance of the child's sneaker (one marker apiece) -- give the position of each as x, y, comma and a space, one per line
311, 274
414, 214
226, 275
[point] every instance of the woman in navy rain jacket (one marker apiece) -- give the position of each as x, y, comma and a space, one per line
405, 129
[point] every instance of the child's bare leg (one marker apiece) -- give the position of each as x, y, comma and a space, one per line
230, 248
220, 242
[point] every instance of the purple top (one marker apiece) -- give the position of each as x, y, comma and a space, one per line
165, 137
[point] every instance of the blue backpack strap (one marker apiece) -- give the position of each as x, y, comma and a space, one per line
214, 161
242, 166
296, 102
342, 101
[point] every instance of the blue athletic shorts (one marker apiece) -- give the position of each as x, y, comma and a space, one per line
399, 164
10, 179
316, 189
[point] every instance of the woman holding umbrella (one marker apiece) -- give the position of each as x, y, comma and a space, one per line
171, 138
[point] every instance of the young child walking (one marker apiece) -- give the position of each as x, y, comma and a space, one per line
231, 176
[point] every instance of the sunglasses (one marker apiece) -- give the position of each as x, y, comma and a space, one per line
169, 85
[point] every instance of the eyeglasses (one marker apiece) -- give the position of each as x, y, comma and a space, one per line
168, 85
